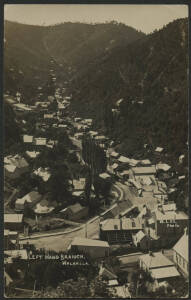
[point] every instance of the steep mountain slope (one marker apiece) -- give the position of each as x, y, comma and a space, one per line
77, 44
151, 76
28, 50
25, 57
107, 62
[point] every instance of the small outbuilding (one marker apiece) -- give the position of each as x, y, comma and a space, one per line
94, 248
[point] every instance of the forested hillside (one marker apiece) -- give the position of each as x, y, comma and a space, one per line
106, 62
28, 49
77, 45
151, 76
25, 62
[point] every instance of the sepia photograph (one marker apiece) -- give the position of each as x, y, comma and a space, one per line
95, 122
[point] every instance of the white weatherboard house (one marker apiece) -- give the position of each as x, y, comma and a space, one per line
40, 141
27, 138
94, 248
79, 185
180, 254
159, 266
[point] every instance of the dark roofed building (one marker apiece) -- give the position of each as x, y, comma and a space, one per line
74, 212
117, 231
13, 221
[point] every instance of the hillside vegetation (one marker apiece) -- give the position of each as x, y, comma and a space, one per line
151, 76
28, 50
76, 44
25, 62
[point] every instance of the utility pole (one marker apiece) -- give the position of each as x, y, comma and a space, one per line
86, 230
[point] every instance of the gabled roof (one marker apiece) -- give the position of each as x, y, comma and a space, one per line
10, 168
163, 167
159, 149
156, 260
114, 166
13, 218
167, 272
17, 253
144, 170
32, 154
170, 215
169, 207
93, 133
181, 247
104, 175
40, 141
75, 208
139, 235
133, 162
124, 159
107, 273
79, 184
27, 138
145, 162
127, 224
77, 193
145, 180
8, 278
128, 210
114, 154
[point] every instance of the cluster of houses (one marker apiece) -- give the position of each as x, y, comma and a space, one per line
157, 223
149, 225
17, 165
162, 269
